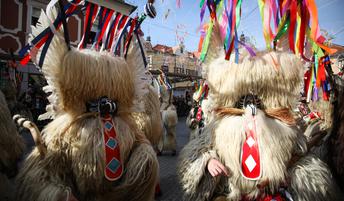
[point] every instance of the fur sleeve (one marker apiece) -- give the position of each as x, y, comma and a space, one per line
12, 145
197, 183
44, 179
311, 179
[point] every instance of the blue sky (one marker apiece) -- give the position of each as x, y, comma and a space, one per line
187, 21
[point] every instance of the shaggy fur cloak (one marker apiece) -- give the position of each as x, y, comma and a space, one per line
328, 134
169, 116
74, 161
11, 149
275, 78
336, 140
149, 121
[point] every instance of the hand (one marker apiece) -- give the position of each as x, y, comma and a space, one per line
216, 168
69, 198
72, 198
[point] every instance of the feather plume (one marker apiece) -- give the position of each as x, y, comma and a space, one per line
53, 60
141, 79
215, 47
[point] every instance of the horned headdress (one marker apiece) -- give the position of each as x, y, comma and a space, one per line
73, 75
252, 132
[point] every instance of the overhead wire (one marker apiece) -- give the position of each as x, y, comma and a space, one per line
247, 15
338, 32
174, 30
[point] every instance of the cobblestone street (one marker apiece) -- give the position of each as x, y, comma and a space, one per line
170, 186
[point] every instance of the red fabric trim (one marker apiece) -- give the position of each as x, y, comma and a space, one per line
111, 154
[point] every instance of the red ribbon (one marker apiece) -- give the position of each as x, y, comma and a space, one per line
27, 58
228, 53
112, 31
293, 10
321, 74
130, 33
304, 18
105, 25
89, 19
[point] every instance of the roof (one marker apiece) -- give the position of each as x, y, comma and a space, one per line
163, 49
339, 48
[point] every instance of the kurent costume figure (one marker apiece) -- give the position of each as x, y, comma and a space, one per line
11, 149
149, 121
336, 140
327, 134
199, 113
93, 149
252, 149
170, 119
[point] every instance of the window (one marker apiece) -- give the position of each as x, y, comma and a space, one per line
93, 31
150, 61
33, 13
4, 76
36, 12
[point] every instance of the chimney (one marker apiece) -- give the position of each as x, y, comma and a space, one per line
148, 39
242, 38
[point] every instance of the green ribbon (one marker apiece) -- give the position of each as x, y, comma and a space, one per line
316, 49
237, 12
282, 29
219, 9
261, 4
201, 4
207, 40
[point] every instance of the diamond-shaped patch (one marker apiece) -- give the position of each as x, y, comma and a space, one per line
113, 165
112, 143
250, 163
250, 141
108, 125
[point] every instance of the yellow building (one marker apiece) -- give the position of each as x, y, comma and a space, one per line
181, 66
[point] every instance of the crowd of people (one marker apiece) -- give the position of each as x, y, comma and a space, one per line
183, 104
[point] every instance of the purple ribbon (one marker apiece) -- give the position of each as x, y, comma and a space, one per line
248, 48
203, 11
315, 94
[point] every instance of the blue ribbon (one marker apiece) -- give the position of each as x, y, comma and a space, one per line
45, 50
100, 26
88, 27
236, 46
141, 48
111, 27
120, 36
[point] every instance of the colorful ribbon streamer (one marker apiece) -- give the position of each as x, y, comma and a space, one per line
228, 14
45, 36
110, 31
295, 18
317, 78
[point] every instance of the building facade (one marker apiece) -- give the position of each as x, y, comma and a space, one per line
172, 59
176, 62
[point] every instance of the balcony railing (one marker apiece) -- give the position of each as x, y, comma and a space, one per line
185, 71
